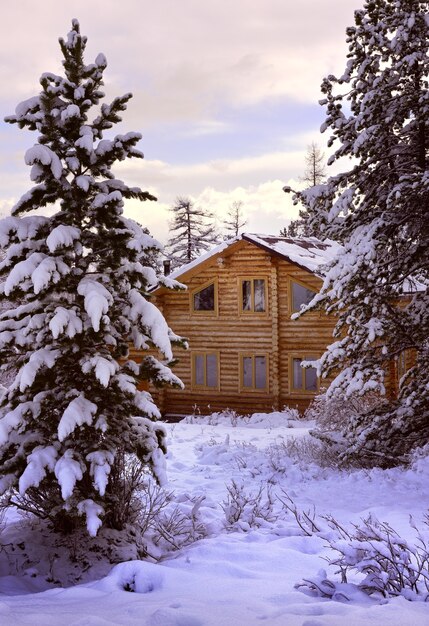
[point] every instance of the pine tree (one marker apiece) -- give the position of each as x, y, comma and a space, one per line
194, 232
78, 281
235, 220
296, 228
378, 207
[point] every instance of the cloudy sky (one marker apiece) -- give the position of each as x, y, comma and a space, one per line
225, 93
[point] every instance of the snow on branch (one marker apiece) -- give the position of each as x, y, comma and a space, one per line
44, 357
38, 462
45, 156
68, 471
13, 419
21, 229
40, 268
92, 511
80, 411
101, 462
65, 321
97, 300
62, 236
103, 368
147, 315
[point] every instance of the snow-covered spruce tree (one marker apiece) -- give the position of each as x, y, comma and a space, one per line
78, 280
379, 207
194, 232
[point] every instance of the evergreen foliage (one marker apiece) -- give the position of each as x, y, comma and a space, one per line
77, 281
296, 228
194, 232
378, 207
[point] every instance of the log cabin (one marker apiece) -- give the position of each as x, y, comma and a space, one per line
245, 350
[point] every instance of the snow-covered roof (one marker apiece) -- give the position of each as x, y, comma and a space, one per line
213, 252
307, 252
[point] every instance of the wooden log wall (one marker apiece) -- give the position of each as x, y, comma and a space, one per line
231, 333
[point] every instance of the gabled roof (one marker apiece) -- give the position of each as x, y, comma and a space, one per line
308, 253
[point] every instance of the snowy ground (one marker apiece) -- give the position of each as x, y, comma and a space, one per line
241, 575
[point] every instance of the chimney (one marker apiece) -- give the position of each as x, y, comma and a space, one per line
167, 266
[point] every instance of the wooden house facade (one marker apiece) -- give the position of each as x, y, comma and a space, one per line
245, 350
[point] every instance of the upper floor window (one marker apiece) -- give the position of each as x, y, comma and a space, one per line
253, 295
304, 378
301, 295
254, 372
204, 299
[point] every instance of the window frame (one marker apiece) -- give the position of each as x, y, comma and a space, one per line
253, 388
303, 356
291, 281
195, 290
204, 354
252, 278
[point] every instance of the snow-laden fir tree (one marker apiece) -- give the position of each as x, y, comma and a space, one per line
193, 232
378, 205
78, 280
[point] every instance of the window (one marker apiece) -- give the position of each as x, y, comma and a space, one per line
205, 370
303, 379
401, 366
253, 372
301, 295
253, 295
204, 299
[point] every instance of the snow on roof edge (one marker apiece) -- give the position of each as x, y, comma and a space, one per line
188, 266
309, 253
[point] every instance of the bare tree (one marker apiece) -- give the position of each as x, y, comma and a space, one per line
314, 174
315, 171
236, 219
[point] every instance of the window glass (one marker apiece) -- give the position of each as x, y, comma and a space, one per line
204, 300
297, 374
259, 295
310, 378
211, 369
247, 371
301, 296
260, 372
199, 369
304, 378
205, 370
401, 366
247, 295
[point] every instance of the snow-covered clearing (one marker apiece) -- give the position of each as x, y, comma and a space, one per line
240, 576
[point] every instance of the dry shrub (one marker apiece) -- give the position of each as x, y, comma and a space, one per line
245, 510
331, 413
301, 450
